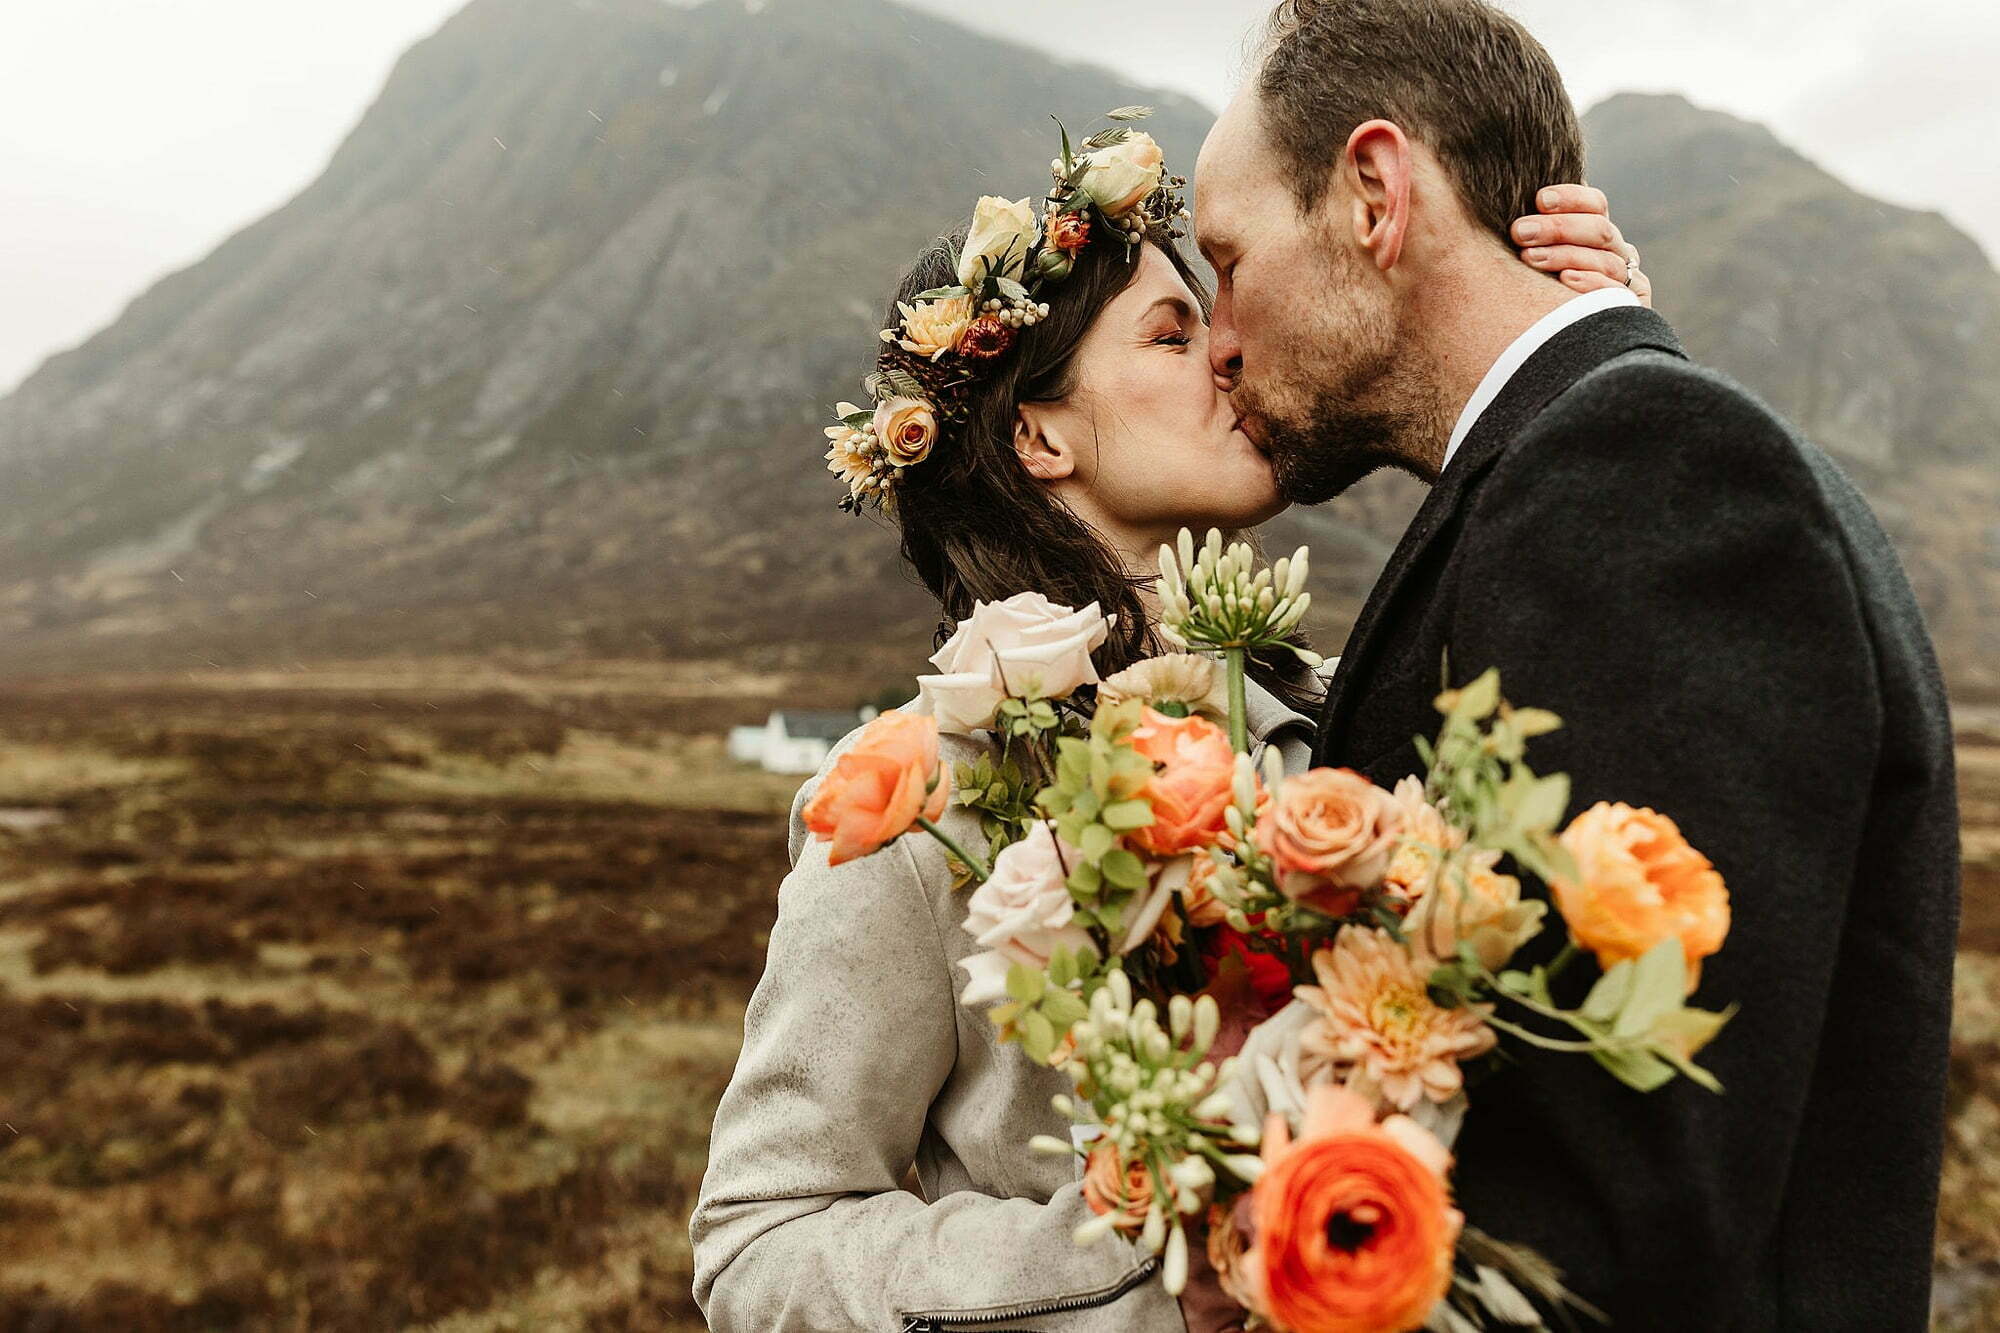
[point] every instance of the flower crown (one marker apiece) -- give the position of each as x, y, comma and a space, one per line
1113, 188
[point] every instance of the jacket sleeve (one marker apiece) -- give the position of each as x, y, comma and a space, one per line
1656, 564
850, 1033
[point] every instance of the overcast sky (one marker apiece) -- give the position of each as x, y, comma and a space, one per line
136, 134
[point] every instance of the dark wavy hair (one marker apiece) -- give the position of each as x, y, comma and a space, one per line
977, 527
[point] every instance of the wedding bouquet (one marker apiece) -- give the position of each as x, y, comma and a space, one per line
1147, 896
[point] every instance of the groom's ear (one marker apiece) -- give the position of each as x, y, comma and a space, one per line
1039, 446
1379, 167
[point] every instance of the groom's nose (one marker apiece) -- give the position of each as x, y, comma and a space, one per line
1225, 350
1226, 360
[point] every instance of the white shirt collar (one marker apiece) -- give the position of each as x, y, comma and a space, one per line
1525, 346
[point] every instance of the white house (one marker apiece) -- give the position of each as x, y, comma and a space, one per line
793, 740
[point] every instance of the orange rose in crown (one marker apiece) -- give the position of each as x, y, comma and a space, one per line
1191, 787
879, 788
1332, 834
1640, 883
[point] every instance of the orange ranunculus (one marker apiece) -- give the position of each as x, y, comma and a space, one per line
1640, 883
1353, 1224
1191, 786
1111, 1186
1332, 833
880, 786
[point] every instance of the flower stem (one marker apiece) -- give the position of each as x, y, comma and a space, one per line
1561, 960
977, 866
1239, 731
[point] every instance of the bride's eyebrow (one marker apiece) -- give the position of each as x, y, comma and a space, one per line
1182, 310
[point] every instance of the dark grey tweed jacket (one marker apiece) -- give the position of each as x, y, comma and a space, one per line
1642, 546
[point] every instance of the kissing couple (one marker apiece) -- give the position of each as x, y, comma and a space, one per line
1407, 275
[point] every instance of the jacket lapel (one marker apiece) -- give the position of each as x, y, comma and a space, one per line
1555, 366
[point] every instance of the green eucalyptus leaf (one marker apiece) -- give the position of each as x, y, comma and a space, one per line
1543, 803
1096, 841
1607, 999
1124, 869
1635, 1068
1038, 1036
1064, 1010
1124, 816
1025, 983
1659, 986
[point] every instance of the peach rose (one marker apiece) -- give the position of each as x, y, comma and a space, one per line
878, 788
1121, 176
1484, 909
907, 428
1353, 1222
1112, 1186
1426, 840
1192, 784
1331, 833
1640, 883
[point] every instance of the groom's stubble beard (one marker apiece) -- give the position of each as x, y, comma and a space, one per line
1356, 399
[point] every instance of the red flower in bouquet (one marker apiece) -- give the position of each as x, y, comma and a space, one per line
878, 789
1354, 1228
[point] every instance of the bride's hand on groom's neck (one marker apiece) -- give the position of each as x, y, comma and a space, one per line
1573, 238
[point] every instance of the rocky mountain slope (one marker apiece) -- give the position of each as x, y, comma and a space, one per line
538, 362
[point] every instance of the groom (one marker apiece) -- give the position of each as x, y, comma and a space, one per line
1643, 547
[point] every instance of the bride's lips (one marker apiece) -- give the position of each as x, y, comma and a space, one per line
1243, 425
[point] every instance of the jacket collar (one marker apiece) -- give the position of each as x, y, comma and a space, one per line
1556, 365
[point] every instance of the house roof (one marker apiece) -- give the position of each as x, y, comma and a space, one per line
804, 724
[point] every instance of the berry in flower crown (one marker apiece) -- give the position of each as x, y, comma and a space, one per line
1111, 189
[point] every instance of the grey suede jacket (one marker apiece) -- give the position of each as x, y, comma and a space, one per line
858, 1060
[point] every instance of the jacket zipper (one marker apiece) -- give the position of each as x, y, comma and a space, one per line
924, 1323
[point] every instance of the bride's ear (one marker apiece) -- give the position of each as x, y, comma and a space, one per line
1041, 448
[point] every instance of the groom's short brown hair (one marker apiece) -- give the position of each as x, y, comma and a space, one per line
1466, 79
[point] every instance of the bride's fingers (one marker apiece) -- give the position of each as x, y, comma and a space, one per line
1587, 280
1580, 280
1593, 230
1558, 258
1572, 199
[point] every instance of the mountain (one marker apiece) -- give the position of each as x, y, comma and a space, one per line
539, 362
541, 359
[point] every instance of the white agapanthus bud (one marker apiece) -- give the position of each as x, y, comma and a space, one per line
1216, 599
1173, 1273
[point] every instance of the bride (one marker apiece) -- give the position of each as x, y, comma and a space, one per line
1051, 445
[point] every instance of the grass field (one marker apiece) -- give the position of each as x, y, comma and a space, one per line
401, 998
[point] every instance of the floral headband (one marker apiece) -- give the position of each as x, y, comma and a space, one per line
1114, 188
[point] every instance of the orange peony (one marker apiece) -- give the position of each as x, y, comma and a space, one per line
1640, 883
1332, 834
880, 787
1109, 1186
1191, 787
1354, 1228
